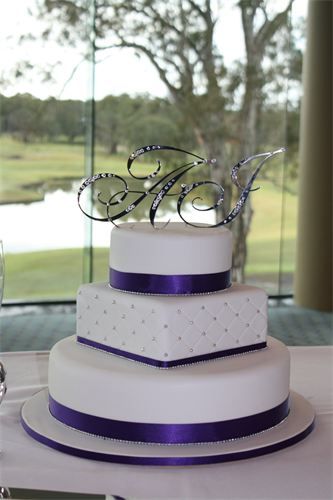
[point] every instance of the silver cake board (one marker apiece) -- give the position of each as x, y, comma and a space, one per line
39, 424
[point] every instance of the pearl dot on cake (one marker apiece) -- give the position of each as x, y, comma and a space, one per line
165, 326
166, 354
105, 311
142, 349
153, 339
203, 307
191, 350
203, 334
179, 338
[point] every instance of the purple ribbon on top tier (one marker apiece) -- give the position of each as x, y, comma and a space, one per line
177, 284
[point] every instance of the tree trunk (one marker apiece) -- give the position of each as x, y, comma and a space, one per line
113, 149
255, 44
248, 145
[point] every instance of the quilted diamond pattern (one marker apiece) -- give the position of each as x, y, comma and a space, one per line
168, 328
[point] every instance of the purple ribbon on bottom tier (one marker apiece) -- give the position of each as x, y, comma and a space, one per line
169, 284
169, 433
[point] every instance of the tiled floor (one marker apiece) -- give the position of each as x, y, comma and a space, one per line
38, 328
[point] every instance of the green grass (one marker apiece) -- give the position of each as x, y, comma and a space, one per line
27, 171
26, 167
266, 231
50, 274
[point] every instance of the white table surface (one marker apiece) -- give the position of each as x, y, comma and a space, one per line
303, 471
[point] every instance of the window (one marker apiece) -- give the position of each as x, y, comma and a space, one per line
70, 108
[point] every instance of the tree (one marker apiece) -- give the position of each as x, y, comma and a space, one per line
23, 116
112, 112
69, 119
257, 41
179, 39
153, 119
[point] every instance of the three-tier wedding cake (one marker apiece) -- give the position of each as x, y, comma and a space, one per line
169, 352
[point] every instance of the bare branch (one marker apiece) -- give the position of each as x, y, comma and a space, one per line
269, 28
196, 7
74, 70
152, 57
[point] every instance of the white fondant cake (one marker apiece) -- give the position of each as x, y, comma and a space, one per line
172, 328
98, 384
174, 249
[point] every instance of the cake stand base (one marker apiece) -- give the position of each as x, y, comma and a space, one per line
39, 424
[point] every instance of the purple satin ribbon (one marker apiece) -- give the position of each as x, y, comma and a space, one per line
169, 433
166, 460
176, 362
178, 284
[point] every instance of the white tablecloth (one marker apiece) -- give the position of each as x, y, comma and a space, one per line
303, 471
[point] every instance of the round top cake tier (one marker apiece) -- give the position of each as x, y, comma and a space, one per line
176, 252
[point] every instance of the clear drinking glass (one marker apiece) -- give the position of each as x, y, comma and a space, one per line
3, 387
2, 272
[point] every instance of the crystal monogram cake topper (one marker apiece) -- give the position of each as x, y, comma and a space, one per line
161, 187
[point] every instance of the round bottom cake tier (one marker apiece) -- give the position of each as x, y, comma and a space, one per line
111, 397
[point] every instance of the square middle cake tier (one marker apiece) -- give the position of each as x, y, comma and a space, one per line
174, 330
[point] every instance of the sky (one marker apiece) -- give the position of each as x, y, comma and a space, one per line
121, 72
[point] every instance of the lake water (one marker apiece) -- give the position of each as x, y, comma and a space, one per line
55, 222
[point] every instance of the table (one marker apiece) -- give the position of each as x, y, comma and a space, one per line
302, 471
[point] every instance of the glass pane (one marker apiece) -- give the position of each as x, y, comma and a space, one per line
127, 121
42, 148
68, 110
272, 240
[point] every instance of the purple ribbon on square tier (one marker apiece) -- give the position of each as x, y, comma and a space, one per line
173, 284
169, 433
157, 363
